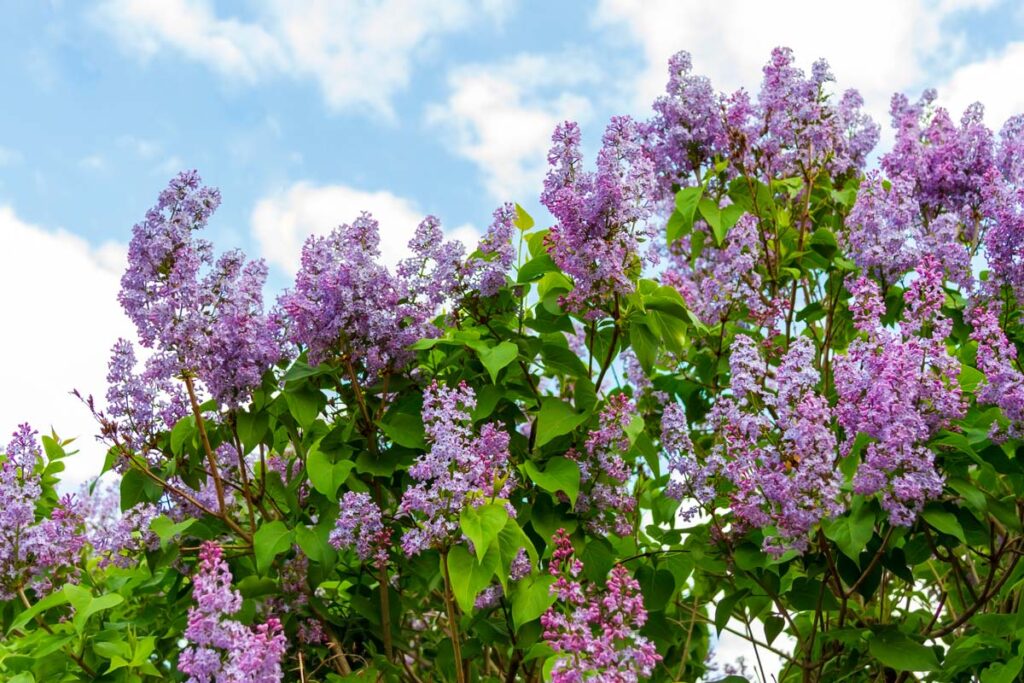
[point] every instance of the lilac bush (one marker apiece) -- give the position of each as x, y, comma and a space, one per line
745, 383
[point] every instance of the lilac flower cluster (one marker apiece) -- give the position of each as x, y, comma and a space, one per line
793, 128
899, 387
222, 649
461, 468
595, 632
488, 271
199, 316
688, 477
345, 304
34, 553
1003, 385
122, 541
720, 279
360, 524
604, 498
600, 216
774, 443
491, 596
139, 406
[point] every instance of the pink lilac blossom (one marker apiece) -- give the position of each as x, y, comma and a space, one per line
604, 498
461, 468
593, 631
221, 649
360, 524
601, 215
899, 387
199, 316
346, 304
1003, 385
774, 443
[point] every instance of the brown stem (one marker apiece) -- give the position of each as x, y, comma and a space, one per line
385, 612
204, 437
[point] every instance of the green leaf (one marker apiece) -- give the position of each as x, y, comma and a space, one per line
166, 529
497, 357
559, 474
51, 600
723, 611
93, 606
314, 545
944, 521
468, 576
556, 418
251, 427
405, 429
773, 627
269, 541
182, 432
1003, 672
523, 220
535, 268
304, 405
326, 476
686, 206
719, 220
481, 525
531, 597
852, 532
897, 651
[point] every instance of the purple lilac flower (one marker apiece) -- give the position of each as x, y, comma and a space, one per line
35, 554
595, 632
122, 539
519, 569
222, 649
139, 406
774, 443
600, 216
360, 524
689, 478
488, 271
604, 497
721, 278
1004, 240
198, 316
899, 387
947, 163
461, 468
1003, 385
346, 304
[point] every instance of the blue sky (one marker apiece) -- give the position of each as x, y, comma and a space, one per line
304, 113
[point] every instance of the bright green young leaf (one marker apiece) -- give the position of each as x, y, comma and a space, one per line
556, 418
481, 525
326, 476
523, 220
531, 597
496, 357
270, 540
559, 474
166, 529
686, 206
468, 576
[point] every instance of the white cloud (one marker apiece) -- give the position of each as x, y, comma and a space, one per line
60, 304
988, 81
282, 222
501, 116
93, 162
878, 47
360, 53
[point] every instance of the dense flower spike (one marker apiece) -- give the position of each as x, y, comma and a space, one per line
461, 468
35, 554
605, 499
222, 650
360, 524
346, 305
594, 632
496, 252
774, 443
899, 388
600, 215
1004, 382
199, 316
